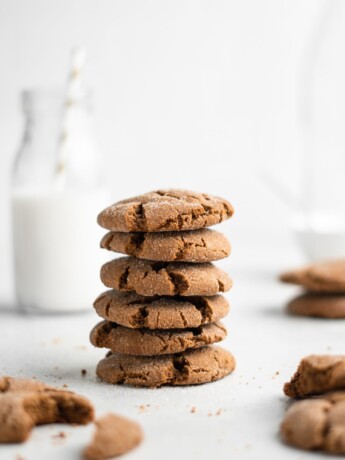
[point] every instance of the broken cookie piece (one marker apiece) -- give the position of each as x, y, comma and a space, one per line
316, 424
25, 403
114, 436
317, 374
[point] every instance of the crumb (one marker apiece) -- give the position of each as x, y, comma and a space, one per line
81, 347
56, 341
219, 411
83, 372
143, 408
60, 435
193, 410
277, 372
65, 385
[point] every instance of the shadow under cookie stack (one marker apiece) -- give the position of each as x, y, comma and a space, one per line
161, 315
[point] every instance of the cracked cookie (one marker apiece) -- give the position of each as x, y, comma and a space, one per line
115, 435
165, 210
318, 305
25, 403
317, 374
192, 367
316, 424
120, 339
149, 278
325, 277
134, 311
203, 245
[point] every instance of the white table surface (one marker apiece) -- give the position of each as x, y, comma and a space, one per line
267, 344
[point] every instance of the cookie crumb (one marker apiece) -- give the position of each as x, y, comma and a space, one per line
193, 410
60, 435
219, 411
143, 408
65, 385
83, 372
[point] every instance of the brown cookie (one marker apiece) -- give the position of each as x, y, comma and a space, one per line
133, 311
121, 339
114, 436
192, 367
25, 403
203, 245
149, 278
318, 305
326, 276
165, 210
317, 374
315, 424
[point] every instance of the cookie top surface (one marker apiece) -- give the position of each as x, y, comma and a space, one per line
192, 367
165, 210
328, 276
120, 339
318, 305
315, 424
317, 374
134, 311
203, 245
149, 278
115, 435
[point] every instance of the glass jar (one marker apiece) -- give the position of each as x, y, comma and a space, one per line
56, 237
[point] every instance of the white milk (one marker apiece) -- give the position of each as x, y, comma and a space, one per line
57, 254
321, 236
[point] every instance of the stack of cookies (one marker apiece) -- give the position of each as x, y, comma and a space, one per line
324, 286
162, 314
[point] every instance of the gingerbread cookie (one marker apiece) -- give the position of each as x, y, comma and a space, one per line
133, 311
25, 403
165, 210
316, 424
192, 367
121, 339
114, 436
318, 305
203, 245
150, 278
317, 374
320, 277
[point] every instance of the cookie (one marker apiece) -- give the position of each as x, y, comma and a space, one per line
114, 436
133, 311
317, 374
120, 339
26, 403
149, 278
192, 367
203, 245
315, 424
326, 276
165, 210
318, 305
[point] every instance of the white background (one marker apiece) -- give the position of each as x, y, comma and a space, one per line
194, 94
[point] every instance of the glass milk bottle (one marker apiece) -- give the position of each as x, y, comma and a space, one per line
55, 201
320, 218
